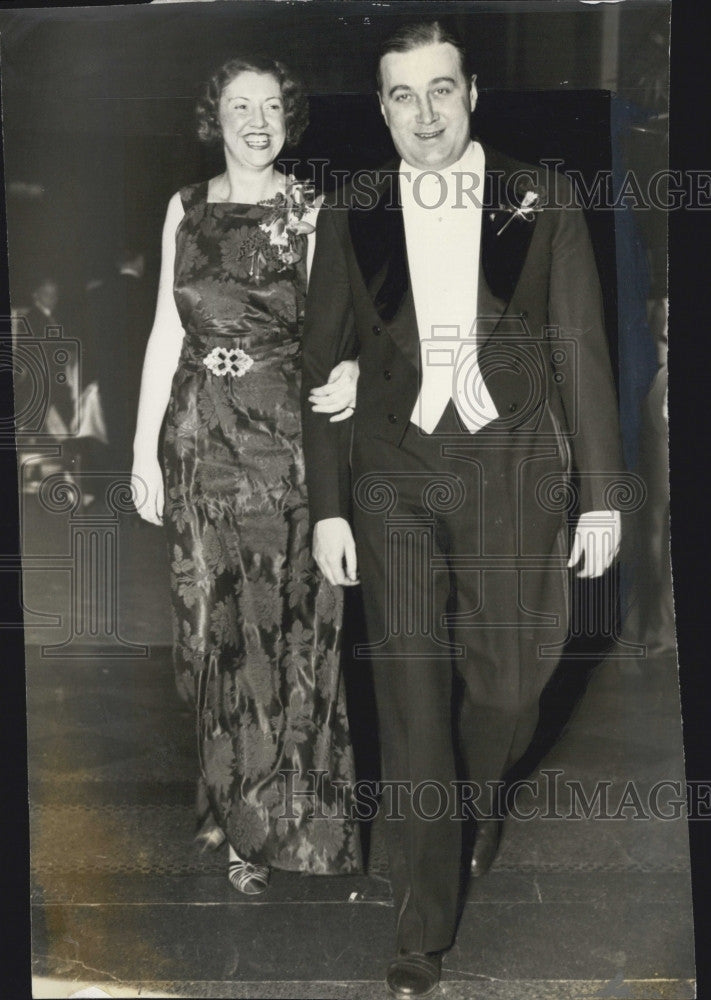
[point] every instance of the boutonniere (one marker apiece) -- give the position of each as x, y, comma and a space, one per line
530, 203
288, 220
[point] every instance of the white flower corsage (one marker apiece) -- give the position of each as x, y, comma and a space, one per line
287, 220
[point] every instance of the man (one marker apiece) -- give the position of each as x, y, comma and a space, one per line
464, 436
45, 298
120, 314
39, 320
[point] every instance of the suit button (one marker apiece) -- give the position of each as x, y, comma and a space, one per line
377, 331
392, 417
387, 375
513, 407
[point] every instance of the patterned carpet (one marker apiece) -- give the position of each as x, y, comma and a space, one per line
112, 759
124, 898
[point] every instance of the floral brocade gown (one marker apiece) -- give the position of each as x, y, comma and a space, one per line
257, 629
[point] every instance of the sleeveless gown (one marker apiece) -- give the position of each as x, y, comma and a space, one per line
257, 630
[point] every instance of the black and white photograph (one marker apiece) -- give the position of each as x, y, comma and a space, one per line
337, 352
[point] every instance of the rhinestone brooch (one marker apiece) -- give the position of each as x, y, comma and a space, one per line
228, 361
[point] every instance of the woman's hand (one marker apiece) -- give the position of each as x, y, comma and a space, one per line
148, 491
338, 396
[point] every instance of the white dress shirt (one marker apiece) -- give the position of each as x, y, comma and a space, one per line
443, 237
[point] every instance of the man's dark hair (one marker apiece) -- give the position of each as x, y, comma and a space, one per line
414, 34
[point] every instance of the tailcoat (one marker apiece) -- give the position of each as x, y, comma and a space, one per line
462, 539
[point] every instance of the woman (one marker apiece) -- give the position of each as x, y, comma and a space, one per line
257, 631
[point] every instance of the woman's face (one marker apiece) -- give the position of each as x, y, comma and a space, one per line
251, 115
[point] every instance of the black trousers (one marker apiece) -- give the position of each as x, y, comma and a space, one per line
462, 564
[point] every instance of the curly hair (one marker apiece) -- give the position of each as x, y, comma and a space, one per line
296, 107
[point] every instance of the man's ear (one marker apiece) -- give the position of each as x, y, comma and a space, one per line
382, 107
473, 92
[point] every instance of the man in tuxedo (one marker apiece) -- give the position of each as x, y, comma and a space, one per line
120, 314
39, 319
485, 401
45, 298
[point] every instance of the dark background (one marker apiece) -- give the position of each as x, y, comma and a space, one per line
98, 104
98, 109
107, 132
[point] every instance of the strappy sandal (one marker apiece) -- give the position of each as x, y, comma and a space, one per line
245, 877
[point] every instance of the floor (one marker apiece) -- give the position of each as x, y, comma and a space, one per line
122, 900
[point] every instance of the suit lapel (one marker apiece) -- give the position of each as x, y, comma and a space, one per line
378, 238
503, 253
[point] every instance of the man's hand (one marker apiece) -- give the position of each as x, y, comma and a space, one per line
338, 396
597, 542
333, 546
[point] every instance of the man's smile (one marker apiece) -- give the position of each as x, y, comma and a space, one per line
432, 134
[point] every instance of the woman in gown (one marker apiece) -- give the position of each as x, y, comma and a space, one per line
256, 628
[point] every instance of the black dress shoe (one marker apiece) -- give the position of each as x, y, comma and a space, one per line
486, 845
413, 974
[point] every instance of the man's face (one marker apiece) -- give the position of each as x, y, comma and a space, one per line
138, 264
427, 102
47, 295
